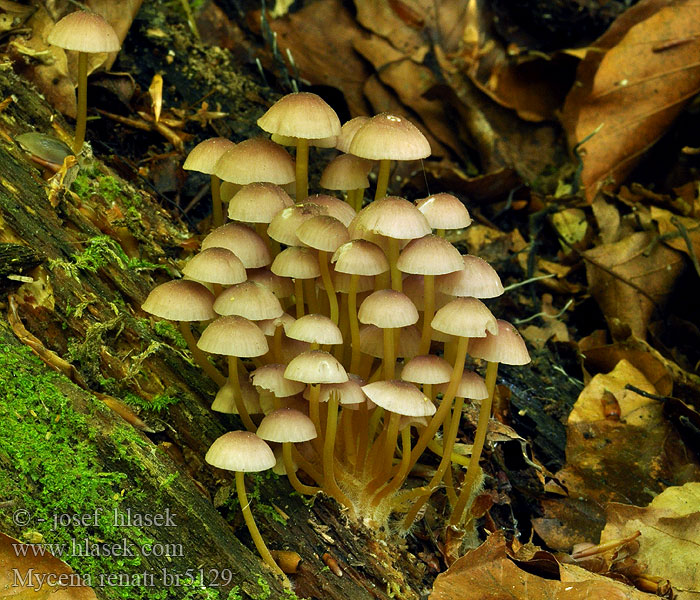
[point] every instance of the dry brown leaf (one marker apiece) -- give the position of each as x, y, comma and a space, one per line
670, 226
632, 84
670, 540
320, 37
487, 573
624, 280
42, 577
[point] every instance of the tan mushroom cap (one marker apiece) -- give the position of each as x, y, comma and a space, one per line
360, 257
286, 425
215, 265
271, 378
387, 136
427, 369
240, 451
323, 232
346, 172
301, 115
333, 206
296, 262
341, 282
414, 288
225, 401
429, 255
258, 203
257, 159
242, 241
444, 211
285, 140
348, 131
476, 278
372, 341
85, 32
392, 217
505, 347
317, 329
399, 397
315, 366
349, 392
180, 300
248, 299
465, 317
471, 386
269, 326
282, 287
233, 336
388, 309
204, 156
283, 226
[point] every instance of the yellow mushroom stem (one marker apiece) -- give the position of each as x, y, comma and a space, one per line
344, 325
302, 169
315, 414
261, 230
354, 325
473, 471
330, 486
389, 360
305, 465
396, 482
382, 178
299, 297
238, 396
328, 284
311, 298
291, 475
199, 356
348, 438
442, 467
393, 248
385, 456
428, 313
362, 420
277, 343
81, 115
436, 447
217, 211
253, 528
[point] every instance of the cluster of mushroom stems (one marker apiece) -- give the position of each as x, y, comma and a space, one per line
345, 327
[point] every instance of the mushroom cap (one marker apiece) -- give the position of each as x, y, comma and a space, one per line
414, 288
360, 257
476, 278
372, 341
323, 232
505, 347
245, 243
392, 217
240, 451
85, 32
301, 115
282, 287
427, 369
269, 326
348, 131
248, 299
346, 172
315, 366
233, 336
399, 397
181, 300
444, 211
283, 226
333, 206
257, 159
388, 309
429, 255
465, 317
215, 265
317, 329
387, 136
471, 386
258, 203
271, 378
225, 402
349, 392
204, 156
296, 262
286, 425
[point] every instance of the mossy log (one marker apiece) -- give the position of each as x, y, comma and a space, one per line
125, 423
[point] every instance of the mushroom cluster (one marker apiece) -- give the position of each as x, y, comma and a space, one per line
345, 329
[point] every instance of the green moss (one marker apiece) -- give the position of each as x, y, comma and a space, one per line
171, 333
157, 404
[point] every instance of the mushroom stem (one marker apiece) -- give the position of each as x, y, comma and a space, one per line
343, 324
329, 483
382, 178
394, 484
302, 167
428, 312
291, 475
277, 343
354, 325
393, 247
363, 437
217, 211
304, 464
200, 357
311, 298
237, 396
441, 414
442, 467
299, 297
328, 284
253, 528
81, 117
469, 484
386, 454
389, 360
314, 411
